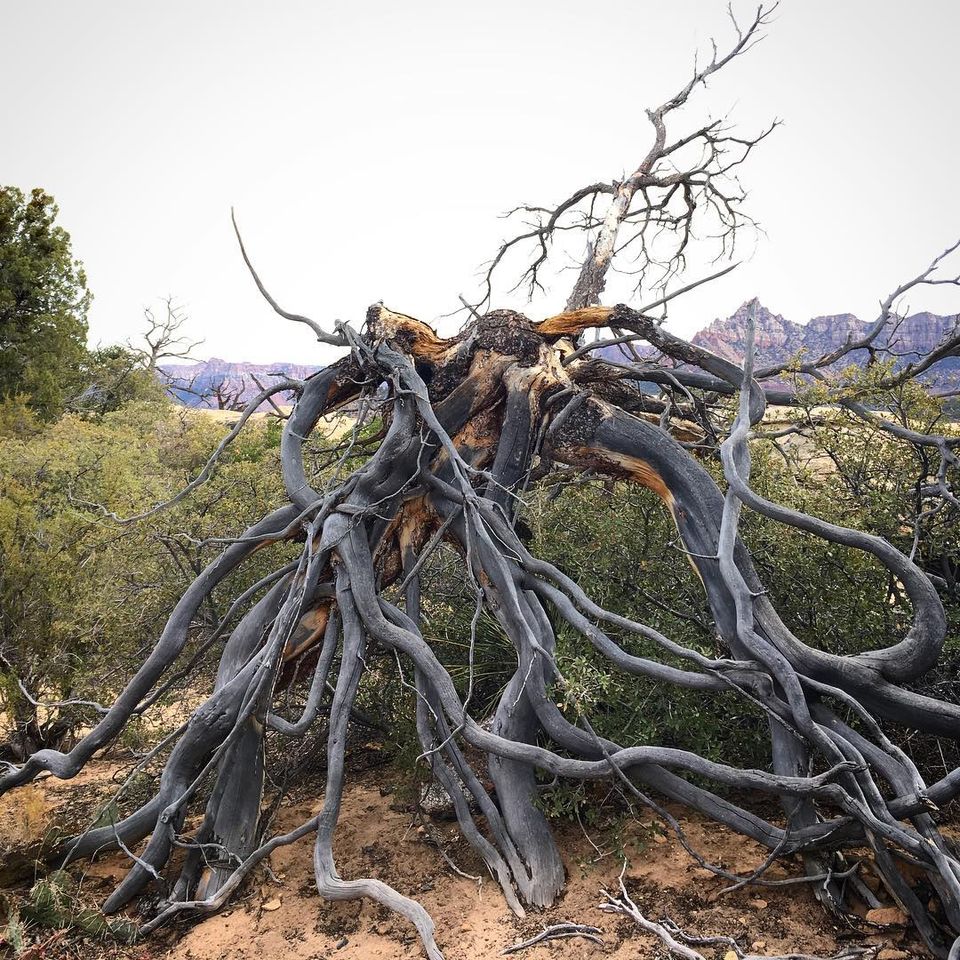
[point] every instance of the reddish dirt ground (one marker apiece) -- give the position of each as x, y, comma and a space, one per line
283, 917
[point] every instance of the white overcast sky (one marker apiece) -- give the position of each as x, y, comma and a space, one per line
369, 147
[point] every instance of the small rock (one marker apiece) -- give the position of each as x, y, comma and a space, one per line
888, 916
436, 802
271, 905
758, 904
890, 953
758, 945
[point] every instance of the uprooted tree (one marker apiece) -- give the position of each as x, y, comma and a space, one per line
467, 425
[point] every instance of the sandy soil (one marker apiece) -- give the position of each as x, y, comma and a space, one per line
283, 917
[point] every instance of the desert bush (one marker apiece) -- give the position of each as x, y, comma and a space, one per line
82, 597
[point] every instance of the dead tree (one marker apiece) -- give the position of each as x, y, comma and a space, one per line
469, 423
228, 394
162, 340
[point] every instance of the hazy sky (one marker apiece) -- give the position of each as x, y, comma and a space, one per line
369, 147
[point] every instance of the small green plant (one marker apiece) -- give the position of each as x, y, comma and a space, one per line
566, 800
54, 903
15, 932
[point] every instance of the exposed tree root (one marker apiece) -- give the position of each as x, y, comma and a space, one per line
558, 931
467, 420
681, 944
468, 424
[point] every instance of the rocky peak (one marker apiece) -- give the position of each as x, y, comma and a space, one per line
778, 339
727, 337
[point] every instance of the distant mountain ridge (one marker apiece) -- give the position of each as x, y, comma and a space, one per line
216, 383
778, 339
